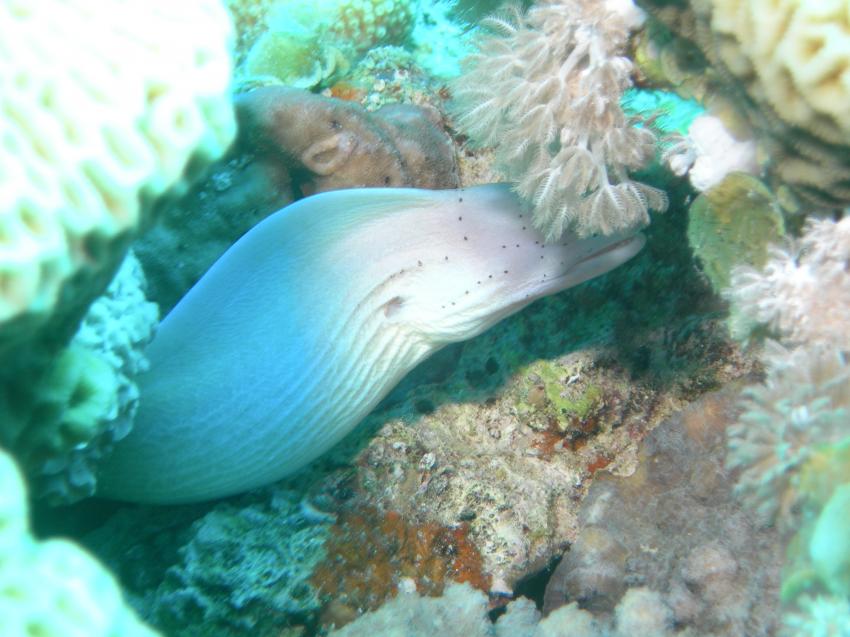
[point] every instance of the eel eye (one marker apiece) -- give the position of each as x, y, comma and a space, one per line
392, 306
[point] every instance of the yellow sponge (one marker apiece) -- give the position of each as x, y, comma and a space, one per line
102, 105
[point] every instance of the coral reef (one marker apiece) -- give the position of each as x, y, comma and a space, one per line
221, 568
778, 70
544, 88
670, 544
61, 422
290, 143
499, 436
53, 588
460, 611
307, 44
509, 443
84, 158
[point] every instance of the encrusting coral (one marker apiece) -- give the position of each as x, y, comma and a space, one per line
733, 223
544, 89
53, 588
371, 555
340, 145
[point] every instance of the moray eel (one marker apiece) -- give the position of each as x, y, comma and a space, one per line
306, 322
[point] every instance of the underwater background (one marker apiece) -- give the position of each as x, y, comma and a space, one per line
660, 450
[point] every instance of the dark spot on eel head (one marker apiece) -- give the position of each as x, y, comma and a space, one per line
392, 306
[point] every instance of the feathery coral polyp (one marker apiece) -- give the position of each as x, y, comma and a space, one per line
544, 89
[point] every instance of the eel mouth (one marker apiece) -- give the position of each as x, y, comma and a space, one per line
612, 247
587, 267
597, 262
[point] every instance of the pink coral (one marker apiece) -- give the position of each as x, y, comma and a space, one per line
544, 88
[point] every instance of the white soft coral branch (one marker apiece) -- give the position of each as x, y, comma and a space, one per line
544, 89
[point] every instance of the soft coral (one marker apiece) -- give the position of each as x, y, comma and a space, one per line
544, 88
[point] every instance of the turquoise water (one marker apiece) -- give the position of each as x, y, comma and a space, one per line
277, 360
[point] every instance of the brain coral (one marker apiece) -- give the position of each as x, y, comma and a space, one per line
102, 106
800, 52
779, 72
53, 588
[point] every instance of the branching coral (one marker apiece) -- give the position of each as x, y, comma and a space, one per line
544, 89
246, 569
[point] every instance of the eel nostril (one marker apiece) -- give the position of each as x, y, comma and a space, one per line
392, 306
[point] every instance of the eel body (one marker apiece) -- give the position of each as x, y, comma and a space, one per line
305, 323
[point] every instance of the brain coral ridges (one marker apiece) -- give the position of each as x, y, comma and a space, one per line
102, 107
784, 68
